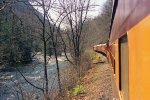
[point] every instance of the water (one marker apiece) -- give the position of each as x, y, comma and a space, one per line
12, 83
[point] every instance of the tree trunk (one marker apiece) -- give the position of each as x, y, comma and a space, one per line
58, 71
45, 61
45, 70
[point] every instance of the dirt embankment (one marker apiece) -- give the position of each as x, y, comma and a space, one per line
97, 84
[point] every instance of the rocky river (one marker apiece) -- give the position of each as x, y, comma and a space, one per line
12, 84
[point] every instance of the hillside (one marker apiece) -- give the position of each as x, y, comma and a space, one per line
18, 25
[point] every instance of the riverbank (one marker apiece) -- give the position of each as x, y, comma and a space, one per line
97, 84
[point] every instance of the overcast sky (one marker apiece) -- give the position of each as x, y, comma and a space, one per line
97, 8
91, 14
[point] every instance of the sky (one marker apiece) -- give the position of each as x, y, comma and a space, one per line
98, 8
91, 14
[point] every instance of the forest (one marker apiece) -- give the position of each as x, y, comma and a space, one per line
37, 36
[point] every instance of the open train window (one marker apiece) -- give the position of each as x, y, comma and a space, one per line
124, 67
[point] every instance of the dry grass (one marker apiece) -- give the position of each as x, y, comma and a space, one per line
70, 79
97, 84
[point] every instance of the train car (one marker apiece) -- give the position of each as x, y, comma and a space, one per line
128, 49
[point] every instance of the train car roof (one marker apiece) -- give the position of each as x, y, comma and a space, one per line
126, 14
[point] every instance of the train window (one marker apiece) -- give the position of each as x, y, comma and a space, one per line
124, 67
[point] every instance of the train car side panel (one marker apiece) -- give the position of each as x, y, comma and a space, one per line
139, 60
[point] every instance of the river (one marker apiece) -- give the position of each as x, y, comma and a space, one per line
12, 83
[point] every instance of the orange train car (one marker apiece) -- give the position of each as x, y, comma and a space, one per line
128, 49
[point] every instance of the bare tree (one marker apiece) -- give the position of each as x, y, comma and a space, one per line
47, 8
43, 36
75, 21
74, 12
46, 21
